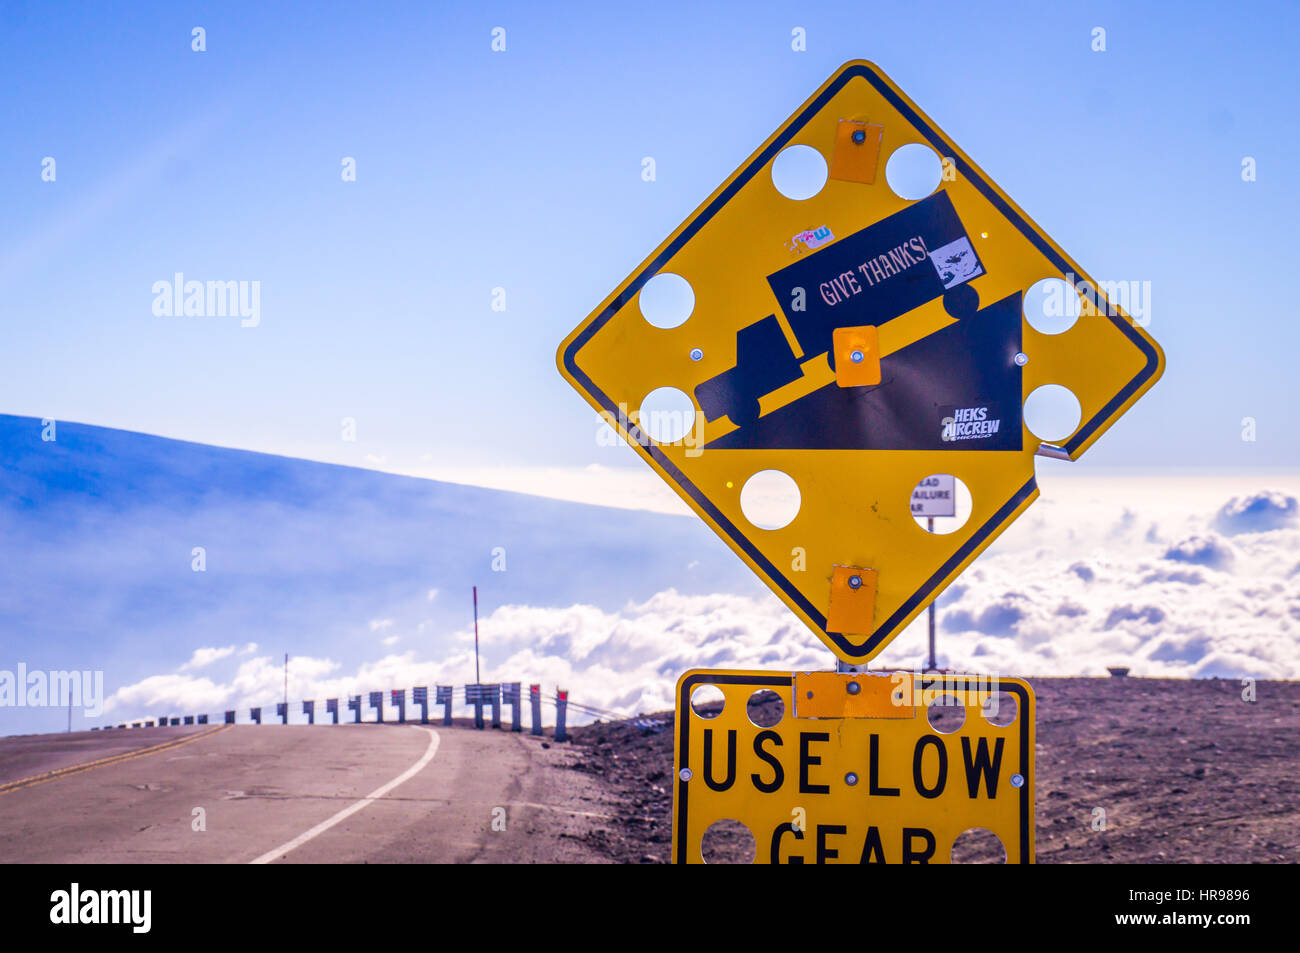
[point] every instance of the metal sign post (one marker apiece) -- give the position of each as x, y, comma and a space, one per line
936, 495
933, 664
477, 678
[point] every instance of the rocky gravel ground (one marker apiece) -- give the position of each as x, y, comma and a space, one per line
1185, 772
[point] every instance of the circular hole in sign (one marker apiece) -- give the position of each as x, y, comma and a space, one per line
666, 415
707, 701
946, 713
765, 708
978, 846
799, 172
666, 300
941, 494
1051, 305
770, 499
1052, 412
999, 709
727, 842
914, 171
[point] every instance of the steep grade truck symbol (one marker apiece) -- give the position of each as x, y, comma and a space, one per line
867, 278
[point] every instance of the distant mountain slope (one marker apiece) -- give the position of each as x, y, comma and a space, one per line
364, 579
98, 530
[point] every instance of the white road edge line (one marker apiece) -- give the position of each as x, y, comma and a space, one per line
351, 809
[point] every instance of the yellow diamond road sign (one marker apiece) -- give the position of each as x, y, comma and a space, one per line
860, 343
846, 777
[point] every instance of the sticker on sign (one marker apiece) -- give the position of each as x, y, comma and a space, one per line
879, 767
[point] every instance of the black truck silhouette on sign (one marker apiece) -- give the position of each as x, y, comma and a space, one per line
868, 278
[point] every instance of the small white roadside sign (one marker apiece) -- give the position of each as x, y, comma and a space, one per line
936, 495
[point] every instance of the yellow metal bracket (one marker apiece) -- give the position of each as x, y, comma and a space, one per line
853, 695
857, 151
857, 356
852, 609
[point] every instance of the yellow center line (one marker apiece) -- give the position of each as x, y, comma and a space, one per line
35, 779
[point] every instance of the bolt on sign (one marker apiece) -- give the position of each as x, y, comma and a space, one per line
856, 341
851, 768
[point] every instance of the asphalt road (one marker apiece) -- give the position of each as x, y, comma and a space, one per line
293, 794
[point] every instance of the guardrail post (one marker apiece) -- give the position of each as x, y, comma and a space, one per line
474, 696
561, 707
494, 699
510, 696
444, 696
535, 696
256, 715
377, 703
332, 708
230, 717
309, 709
354, 705
420, 696
282, 712
399, 699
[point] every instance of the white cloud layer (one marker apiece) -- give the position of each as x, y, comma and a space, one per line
1187, 578
206, 656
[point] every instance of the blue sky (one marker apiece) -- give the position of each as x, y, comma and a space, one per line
521, 170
